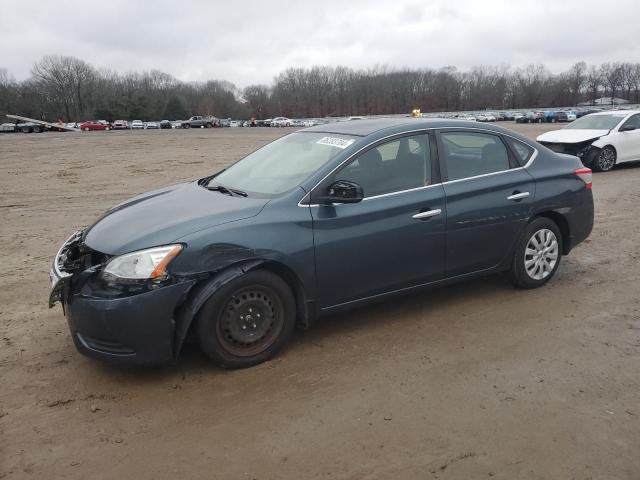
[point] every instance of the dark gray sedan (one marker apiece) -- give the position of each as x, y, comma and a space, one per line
323, 219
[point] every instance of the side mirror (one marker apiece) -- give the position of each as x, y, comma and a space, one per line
627, 128
341, 191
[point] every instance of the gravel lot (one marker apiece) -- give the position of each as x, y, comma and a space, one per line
476, 380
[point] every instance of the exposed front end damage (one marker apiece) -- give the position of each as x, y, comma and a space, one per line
128, 323
586, 151
136, 322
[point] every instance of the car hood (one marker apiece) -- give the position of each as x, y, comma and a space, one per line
162, 216
571, 135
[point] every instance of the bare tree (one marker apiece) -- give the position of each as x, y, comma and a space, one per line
576, 80
636, 82
594, 82
611, 74
67, 84
257, 98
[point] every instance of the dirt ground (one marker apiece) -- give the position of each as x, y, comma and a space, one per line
477, 380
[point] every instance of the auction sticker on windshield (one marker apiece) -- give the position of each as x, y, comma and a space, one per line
336, 142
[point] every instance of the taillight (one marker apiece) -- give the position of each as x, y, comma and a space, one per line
585, 175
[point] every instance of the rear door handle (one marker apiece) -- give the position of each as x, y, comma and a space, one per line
518, 196
427, 214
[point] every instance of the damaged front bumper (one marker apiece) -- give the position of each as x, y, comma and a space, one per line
585, 151
124, 327
132, 330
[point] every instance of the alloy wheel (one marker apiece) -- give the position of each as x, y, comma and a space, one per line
541, 254
606, 159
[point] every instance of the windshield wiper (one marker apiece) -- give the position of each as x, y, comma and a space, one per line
238, 192
227, 191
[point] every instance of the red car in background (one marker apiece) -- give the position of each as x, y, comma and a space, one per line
95, 125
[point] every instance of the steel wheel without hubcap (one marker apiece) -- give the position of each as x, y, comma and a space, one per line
606, 160
247, 320
251, 321
541, 254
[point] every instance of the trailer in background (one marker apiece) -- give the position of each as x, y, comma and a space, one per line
31, 125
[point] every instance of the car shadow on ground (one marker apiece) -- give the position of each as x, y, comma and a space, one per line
622, 166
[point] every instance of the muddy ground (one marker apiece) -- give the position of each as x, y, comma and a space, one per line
477, 380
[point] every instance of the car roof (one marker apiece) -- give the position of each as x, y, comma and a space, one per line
363, 128
619, 112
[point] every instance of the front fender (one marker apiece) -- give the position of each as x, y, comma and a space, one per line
199, 295
601, 142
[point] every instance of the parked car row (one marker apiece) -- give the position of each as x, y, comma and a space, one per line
196, 121
532, 116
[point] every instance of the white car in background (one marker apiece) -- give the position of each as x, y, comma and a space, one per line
466, 118
151, 125
309, 123
281, 122
136, 124
234, 123
601, 140
571, 116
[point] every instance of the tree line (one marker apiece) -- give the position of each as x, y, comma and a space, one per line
71, 89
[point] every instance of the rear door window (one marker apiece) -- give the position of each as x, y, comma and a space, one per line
469, 154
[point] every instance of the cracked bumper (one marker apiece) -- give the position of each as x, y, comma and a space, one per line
135, 330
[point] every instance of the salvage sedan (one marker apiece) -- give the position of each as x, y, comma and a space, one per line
600, 140
320, 220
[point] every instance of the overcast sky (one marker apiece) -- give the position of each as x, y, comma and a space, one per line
251, 41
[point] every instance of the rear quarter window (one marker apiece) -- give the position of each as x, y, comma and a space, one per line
522, 150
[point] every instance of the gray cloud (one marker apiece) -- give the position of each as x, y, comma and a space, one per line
251, 41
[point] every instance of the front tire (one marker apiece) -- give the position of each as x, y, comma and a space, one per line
606, 159
537, 254
186, 125
247, 320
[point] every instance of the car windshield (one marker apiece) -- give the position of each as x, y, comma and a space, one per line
283, 164
597, 122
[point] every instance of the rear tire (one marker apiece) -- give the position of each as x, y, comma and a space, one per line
247, 320
186, 125
606, 159
537, 254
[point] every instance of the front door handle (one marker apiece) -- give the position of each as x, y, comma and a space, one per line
427, 214
518, 196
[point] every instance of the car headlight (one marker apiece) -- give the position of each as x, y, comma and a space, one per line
144, 264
